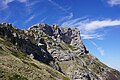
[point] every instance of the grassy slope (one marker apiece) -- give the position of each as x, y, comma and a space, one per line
15, 65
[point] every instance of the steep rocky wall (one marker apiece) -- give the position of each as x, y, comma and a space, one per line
23, 43
59, 47
69, 36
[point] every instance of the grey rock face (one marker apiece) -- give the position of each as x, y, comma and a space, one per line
25, 45
61, 55
61, 48
59, 34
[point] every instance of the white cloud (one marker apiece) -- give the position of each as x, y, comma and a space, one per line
113, 2
57, 5
23, 1
68, 17
97, 24
43, 19
89, 27
29, 19
100, 50
73, 22
4, 3
91, 36
32, 3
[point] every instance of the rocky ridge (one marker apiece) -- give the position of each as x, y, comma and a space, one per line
60, 48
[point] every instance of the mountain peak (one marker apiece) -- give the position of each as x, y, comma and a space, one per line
59, 48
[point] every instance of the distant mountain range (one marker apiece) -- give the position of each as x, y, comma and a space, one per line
45, 52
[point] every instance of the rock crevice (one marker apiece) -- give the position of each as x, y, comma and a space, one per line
60, 48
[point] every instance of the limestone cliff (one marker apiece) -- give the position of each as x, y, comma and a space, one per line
57, 50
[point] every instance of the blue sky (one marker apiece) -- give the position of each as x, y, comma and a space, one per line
98, 21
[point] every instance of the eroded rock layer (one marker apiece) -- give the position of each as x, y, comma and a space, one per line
50, 48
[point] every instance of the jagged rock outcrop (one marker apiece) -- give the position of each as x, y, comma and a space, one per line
60, 48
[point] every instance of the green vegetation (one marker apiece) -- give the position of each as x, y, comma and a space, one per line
16, 65
57, 74
66, 46
24, 66
71, 47
33, 64
33, 31
85, 56
8, 48
18, 54
17, 77
49, 39
97, 67
1, 51
66, 78
78, 53
63, 66
5, 43
1, 74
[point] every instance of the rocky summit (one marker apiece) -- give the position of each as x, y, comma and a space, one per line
45, 52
